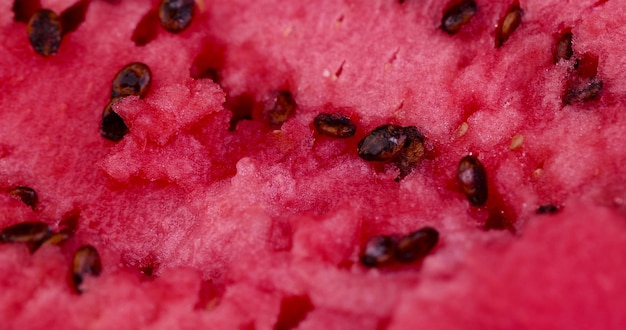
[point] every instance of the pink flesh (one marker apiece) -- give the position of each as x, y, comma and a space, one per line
235, 223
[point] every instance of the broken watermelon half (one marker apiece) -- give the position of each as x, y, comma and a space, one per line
384, 164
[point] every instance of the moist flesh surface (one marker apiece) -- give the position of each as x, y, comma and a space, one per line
203, 221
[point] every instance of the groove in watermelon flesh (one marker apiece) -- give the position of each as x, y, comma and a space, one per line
202, 226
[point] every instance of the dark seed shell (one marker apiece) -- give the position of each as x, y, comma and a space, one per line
25, 194
133, 79
58, 238
417, 245
44, 32
176, 15
583, 92
26, 232
473, 178
457, 16
334, 125
112, 126
379, 250
384, 143
86, 262
279, 107
508, 24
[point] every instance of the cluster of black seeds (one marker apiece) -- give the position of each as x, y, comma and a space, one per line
385, 249
34, 234
403, 146
133, 79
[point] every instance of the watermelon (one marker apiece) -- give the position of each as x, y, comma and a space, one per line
321, 164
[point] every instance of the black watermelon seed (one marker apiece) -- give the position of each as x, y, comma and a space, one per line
473, 178
25, 194
133, 79
86, 262
334, 125
508, 24
384, 143
584, 91
417, 245
26, 232
457, 16
563, 48
547, 209
112, 126
279, 107
44, 32
412, 152
176, 15
379, 250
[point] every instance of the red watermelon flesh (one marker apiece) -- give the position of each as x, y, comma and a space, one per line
255, 227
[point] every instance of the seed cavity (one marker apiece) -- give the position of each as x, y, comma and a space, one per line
472, 176
44, 32
379, 250
416, 245
133, 79
563, 47
86, 262
72, 17
278, 108
176, 15
547, 209
508, 24
147, 28
25, 194
457, 15
334, 125
112, 126
30, 233
23, 10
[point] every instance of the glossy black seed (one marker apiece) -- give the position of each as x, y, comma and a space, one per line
278, 108
379, 250
384, 143
412, 152
334, 125
44, 32
417, 245
457, 16
112, 126
176, 15
547, 209
86, 262
508, 24
26, 232
584, 91
25, 194
563, 48
133, 79
473, 179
